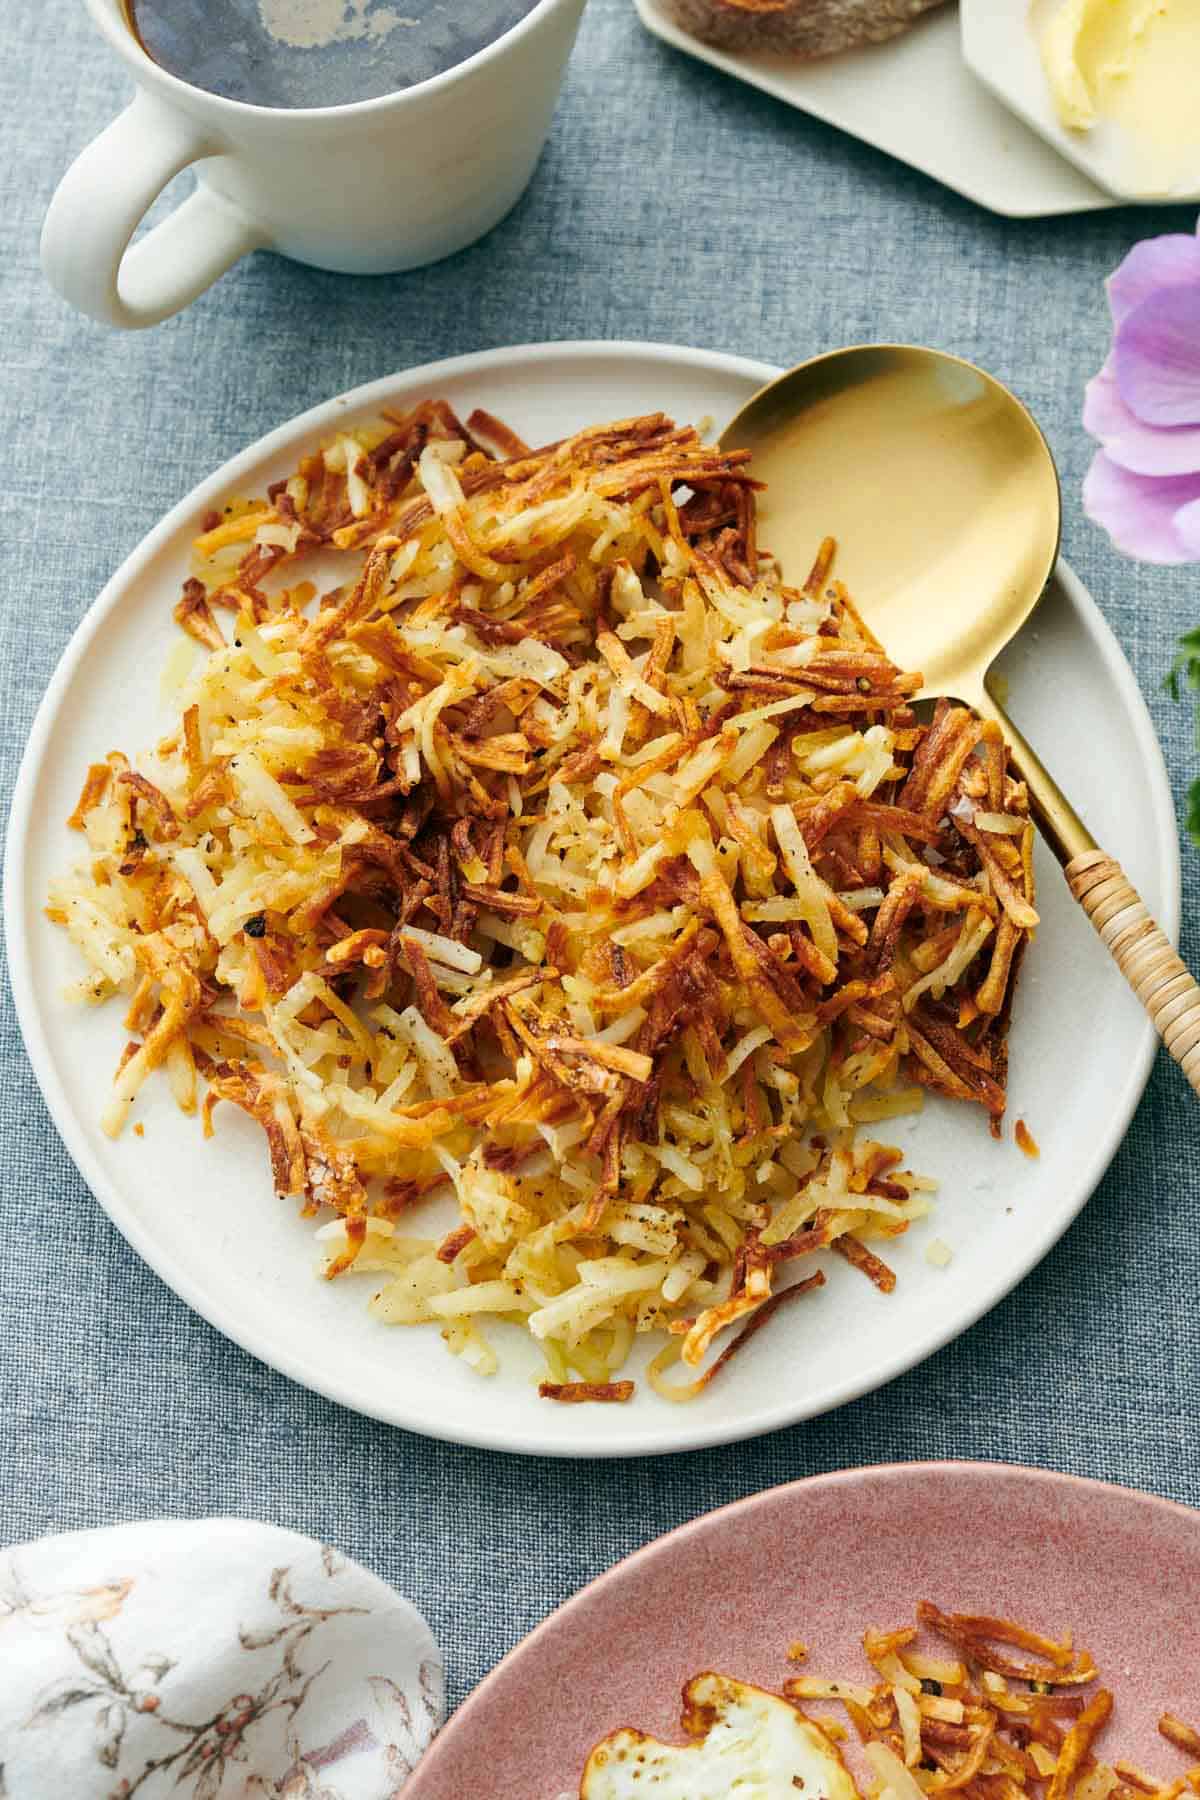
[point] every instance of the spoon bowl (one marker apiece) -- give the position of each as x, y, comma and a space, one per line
937, 485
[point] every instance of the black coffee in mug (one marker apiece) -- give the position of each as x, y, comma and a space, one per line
292, 53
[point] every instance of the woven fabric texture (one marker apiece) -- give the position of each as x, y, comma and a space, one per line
673, 204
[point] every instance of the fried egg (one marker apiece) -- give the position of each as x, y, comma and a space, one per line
748, 1743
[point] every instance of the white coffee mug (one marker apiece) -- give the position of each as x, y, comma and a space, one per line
368, 188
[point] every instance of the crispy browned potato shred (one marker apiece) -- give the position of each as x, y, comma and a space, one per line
525, 840
999, 1712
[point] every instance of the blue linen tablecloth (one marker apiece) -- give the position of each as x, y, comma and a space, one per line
671, 204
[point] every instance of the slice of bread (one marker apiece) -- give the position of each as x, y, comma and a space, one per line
803, 28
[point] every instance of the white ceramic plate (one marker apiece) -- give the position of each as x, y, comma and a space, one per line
1000, 45
203, 1215
916, 99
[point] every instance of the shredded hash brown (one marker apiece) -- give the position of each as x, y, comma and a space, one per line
1004, 1714
999, 1713
553, 854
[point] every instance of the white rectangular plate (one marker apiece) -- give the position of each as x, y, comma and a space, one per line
916, 99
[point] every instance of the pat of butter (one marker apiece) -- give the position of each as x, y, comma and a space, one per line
1136, 63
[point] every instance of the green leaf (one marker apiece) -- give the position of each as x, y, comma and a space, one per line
1186, 664
1186, 668
1193, 811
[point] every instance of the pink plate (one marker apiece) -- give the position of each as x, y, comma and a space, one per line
819, 1560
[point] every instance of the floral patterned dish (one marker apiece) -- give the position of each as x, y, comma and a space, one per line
186, 1659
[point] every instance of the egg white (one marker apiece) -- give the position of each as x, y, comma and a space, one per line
749, 1743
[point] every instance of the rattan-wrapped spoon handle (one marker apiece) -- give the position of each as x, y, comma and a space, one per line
1142, 953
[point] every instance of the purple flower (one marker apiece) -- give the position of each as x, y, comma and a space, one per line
1144, 406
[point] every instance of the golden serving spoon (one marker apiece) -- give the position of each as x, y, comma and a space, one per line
943, 497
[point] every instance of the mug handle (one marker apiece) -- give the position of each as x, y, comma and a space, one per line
101, 200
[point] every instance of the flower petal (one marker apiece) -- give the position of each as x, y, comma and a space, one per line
1158, 262
1139, 512
1187, 525
1146, 449
1156, 358
1103, 410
